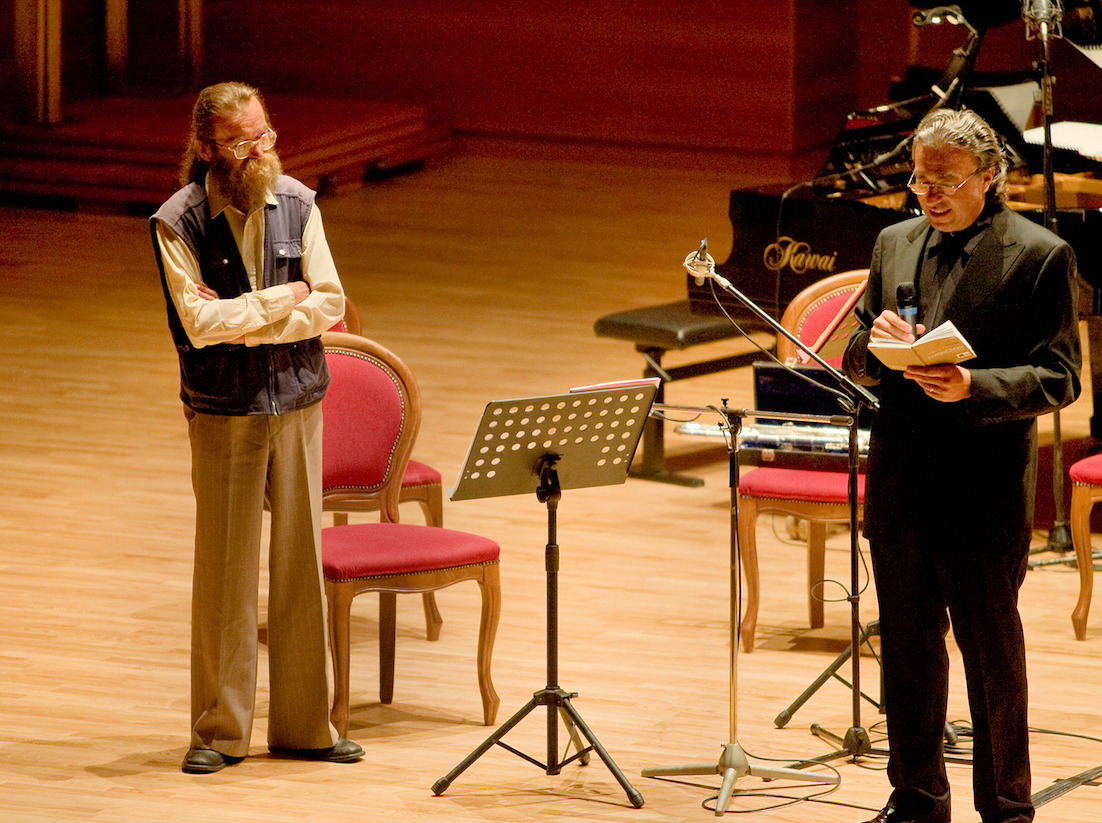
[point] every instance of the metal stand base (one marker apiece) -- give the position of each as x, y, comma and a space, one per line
556, 699
781, 720
558, 705
732, 764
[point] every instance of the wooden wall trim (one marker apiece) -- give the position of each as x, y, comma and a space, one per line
37, 47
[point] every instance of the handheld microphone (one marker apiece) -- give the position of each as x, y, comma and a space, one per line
907, 302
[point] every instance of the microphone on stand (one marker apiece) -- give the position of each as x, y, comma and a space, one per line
699, 263
1042, 17
907, 302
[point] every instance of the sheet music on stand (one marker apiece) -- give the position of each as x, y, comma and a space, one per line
599, 426
1085, 138
1092, 52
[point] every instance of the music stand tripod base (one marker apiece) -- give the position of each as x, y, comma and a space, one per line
543, 445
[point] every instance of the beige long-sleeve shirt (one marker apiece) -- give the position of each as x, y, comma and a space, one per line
263, 315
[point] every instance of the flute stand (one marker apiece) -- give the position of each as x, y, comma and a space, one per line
732, 763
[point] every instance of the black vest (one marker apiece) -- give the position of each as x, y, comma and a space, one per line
232, 379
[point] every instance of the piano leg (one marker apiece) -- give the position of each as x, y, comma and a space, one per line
652, 464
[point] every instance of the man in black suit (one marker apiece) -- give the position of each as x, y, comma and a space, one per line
952, 462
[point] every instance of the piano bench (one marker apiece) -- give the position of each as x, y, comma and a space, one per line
672, 326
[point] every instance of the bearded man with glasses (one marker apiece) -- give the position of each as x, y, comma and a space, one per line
953, 462
250, 285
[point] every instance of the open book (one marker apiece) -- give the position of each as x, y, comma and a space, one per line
942, 345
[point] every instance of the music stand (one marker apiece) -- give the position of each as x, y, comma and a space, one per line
544, 445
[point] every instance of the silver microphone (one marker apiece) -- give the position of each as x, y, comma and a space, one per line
1043, 16
699, 263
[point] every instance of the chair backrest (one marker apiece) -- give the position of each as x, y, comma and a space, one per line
372, 412
351, 322
813, 310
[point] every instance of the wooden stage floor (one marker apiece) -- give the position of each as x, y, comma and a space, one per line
485, 272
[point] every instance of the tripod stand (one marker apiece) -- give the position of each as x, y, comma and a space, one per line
782, 719
732, 763
594, 434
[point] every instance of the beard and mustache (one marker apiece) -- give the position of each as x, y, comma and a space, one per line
245, 184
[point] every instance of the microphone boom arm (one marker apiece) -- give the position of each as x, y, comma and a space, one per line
856, 391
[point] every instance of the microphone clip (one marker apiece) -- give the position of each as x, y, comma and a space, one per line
700, 264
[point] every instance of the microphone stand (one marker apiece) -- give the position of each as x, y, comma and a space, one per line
855, 741
1042, 23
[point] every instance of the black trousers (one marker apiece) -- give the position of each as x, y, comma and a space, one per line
921, 588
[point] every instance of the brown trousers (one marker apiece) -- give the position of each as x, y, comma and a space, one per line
239, 463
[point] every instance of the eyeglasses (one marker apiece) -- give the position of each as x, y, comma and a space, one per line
245, 147
923, 189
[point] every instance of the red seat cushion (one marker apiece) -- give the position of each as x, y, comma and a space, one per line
420, 474
375, 549
1088, 471
798, 484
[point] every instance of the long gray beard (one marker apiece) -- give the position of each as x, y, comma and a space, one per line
246, 185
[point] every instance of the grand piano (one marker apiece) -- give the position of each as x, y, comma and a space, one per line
789, 236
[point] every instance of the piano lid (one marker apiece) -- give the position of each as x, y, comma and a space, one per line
787, 237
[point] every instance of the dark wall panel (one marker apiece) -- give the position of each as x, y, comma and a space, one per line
770, 77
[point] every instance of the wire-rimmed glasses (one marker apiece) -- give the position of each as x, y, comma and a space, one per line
245, 147
923, 189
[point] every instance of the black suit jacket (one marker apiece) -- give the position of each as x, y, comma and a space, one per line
964, 472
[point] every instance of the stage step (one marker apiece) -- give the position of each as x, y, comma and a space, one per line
123, 152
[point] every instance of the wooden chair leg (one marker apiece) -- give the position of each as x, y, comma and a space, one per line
1081, 504
433, 506
388, 632
816, 571
490, 585
748, 551
340, 611
431, 502
433, 621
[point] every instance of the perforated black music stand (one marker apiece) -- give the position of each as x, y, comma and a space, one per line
544, 445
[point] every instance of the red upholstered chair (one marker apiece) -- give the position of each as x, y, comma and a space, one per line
1086, 490
351, 322
421, 484
372, 413
820, 497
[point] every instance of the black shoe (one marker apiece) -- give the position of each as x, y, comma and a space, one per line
344, 751
207, 761
891, 814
